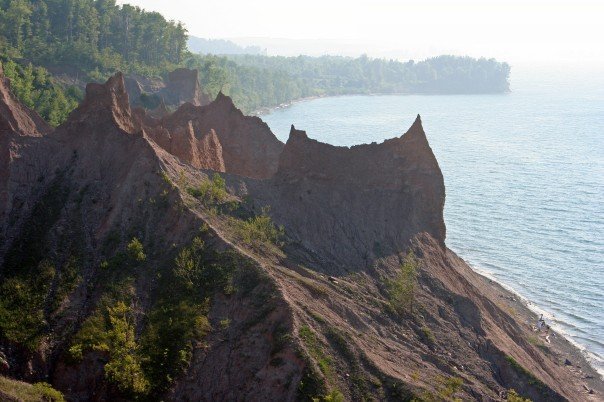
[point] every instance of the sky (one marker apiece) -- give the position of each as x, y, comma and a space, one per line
529, 31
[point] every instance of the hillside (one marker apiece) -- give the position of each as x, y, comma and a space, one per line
196, 257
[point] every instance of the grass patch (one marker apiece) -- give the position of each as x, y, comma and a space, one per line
316, 351
446, 388
532, 380
26, 392
427, 335
315, 288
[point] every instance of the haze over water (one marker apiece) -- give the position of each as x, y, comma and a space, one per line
524, 177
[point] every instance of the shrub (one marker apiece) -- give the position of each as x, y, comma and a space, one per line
514, 397
446, 388
48, 393
532, 380
210, 192
258, 230
22, 305
110, 329
401, 289
178, 321
428, 335
135, 250
334, 396
169, 337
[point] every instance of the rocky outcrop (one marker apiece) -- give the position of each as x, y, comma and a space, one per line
200, 150
241, 318
249, 148
181, 86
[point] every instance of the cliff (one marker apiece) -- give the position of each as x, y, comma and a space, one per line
143, 258
354, 205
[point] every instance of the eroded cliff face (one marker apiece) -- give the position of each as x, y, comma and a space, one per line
249, 148
211, 309
353, 205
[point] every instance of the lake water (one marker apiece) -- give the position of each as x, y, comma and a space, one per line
524, 177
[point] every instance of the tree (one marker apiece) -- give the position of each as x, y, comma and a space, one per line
401, 289
124, 367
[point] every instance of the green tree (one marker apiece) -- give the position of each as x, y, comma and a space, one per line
401, 289
124, 368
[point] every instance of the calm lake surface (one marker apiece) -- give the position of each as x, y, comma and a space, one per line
524, 177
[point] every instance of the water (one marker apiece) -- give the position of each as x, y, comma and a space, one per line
524, 177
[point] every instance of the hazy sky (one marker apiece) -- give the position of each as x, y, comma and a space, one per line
511, 30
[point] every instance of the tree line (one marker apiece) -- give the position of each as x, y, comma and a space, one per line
82, 40
48, 46
90, 35
257, 81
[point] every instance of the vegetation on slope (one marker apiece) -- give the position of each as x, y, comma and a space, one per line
29, 278
87, 40
38, 90
176, 322
22, 391
401, 289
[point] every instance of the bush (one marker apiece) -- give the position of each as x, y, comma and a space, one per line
514, 397
210, 192
334, 396
110, 329
135, 250
22, 305
258, 230
48, 393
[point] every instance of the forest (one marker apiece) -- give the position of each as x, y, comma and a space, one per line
51, 48
257, 81
80, 41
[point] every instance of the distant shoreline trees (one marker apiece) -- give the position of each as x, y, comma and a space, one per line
257, 81
88, 40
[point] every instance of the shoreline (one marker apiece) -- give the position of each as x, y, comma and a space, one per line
536, 310
563, 348
270, 109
